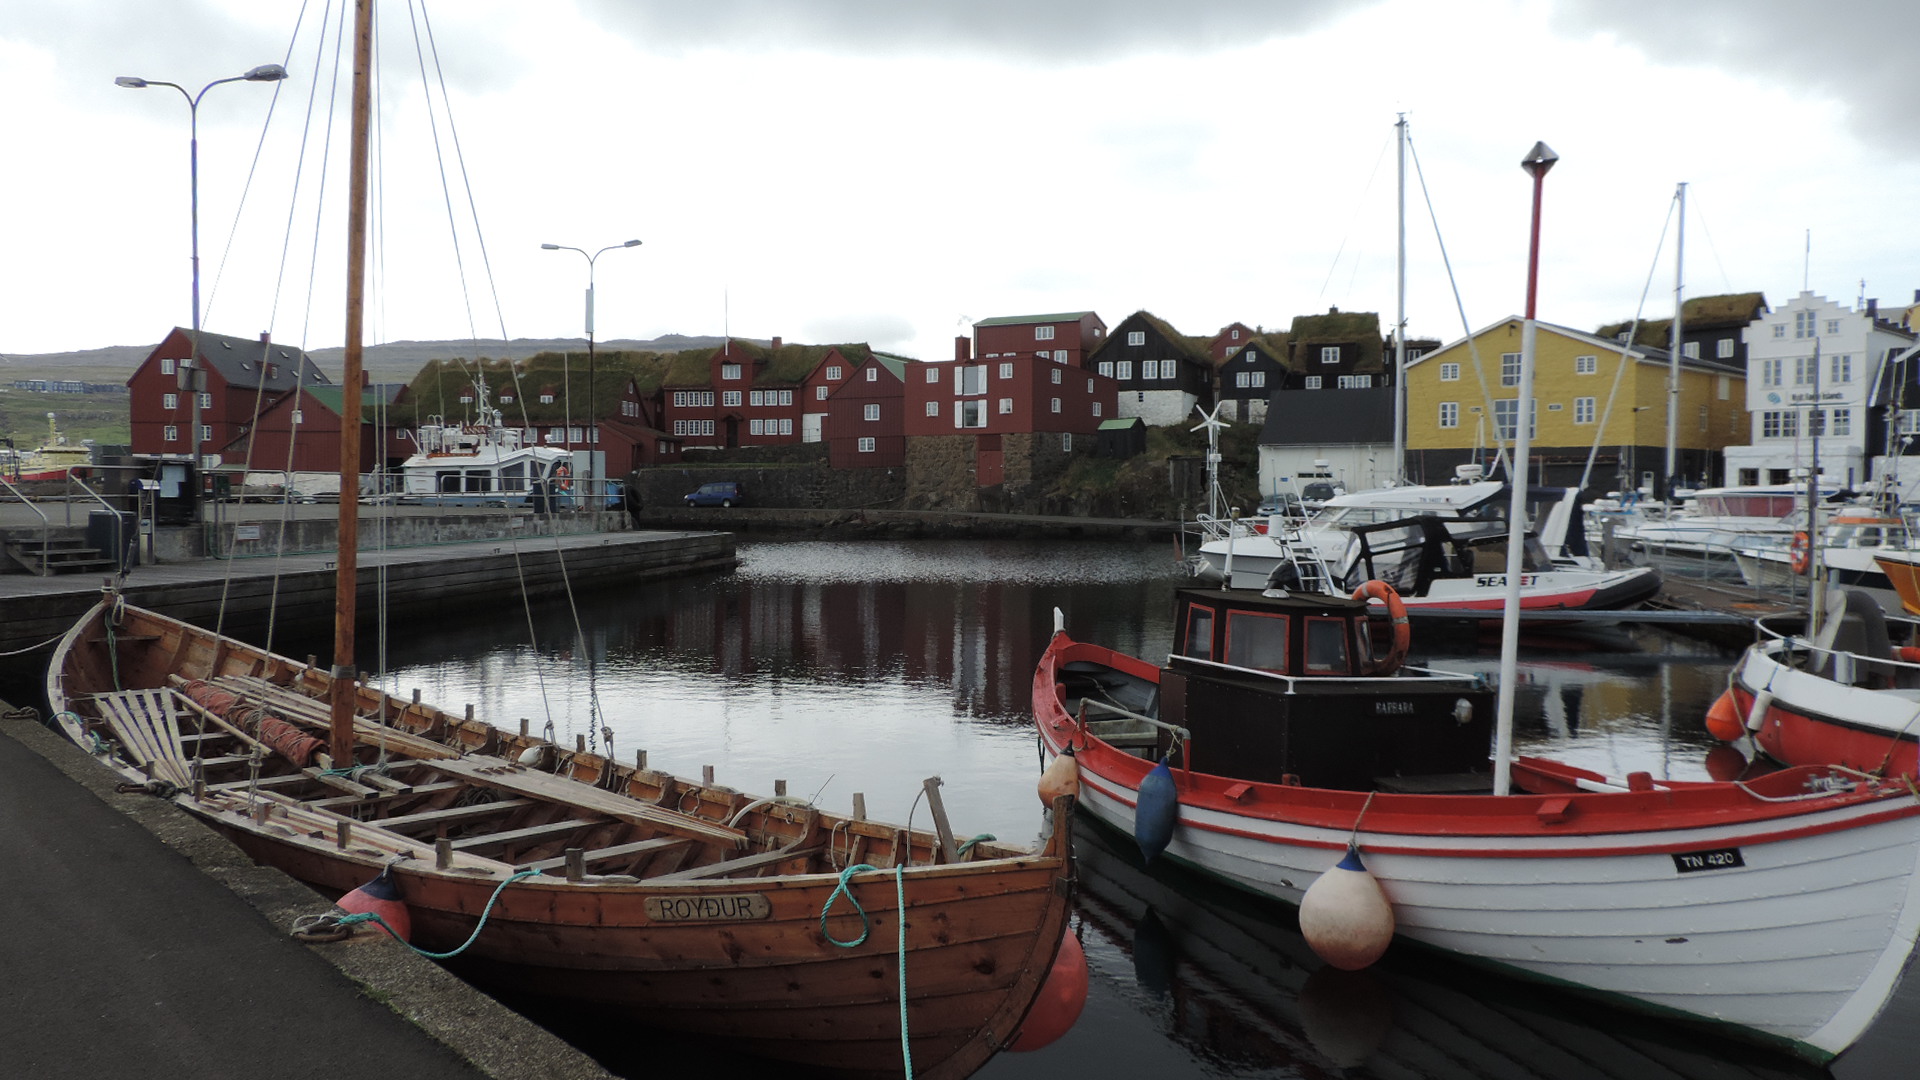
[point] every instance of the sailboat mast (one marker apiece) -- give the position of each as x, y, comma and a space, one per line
1400, 319
345, 691
1673, 360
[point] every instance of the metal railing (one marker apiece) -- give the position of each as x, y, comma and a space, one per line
46, 525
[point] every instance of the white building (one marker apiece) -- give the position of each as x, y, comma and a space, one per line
1816, 371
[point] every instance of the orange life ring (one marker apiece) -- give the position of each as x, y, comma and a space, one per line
1797, 552
1397, 615
562, 478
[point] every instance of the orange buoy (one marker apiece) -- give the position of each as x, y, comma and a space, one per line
381, 897
1345, 916
1397, 619
1724, 721
1057, 1006
1799, 552
1061, 778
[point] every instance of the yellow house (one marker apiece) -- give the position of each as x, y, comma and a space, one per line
1593, 396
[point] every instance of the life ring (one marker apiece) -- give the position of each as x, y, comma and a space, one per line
1797, 553
1397, 615
562, 479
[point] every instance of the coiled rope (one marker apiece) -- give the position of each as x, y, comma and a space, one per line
318, 926
900, 916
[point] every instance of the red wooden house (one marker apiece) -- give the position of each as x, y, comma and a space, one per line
301, 432
1064, 338
242, 378
865, 424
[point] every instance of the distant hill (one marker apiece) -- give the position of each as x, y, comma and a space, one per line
394, 361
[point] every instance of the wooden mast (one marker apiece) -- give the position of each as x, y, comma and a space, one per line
345, 690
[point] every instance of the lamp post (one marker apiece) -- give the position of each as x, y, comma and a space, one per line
593, 421
1537, 162
189, 370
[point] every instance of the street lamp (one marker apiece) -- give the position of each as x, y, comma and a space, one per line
593, 421
263, 73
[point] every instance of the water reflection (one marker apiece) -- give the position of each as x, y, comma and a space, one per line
869, 666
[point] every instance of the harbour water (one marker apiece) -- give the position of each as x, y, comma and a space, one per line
868, 667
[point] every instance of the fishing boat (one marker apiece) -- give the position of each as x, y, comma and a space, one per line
1842, 689
485, 463
1903, 577
55, 459
1851, 544
819, 939
1782, 908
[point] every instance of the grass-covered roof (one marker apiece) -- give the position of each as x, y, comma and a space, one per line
1360, 329
1699, 313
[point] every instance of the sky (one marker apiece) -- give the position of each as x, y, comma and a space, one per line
886, 172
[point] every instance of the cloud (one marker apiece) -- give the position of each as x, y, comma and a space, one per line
1839, 51
1056, 31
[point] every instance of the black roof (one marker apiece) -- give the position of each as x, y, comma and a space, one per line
250, 362
1305, 417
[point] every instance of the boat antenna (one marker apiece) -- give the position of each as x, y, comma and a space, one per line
1673, 361
1538, 160
1400, 318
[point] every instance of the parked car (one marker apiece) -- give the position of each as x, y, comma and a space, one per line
719, 493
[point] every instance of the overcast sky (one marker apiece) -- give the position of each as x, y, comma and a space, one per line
872, 170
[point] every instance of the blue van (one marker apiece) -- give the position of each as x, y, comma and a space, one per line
719, 493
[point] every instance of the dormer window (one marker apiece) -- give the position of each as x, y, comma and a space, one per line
1043, 333
834, 372
729, 371
545, 399
466, 399
506, 399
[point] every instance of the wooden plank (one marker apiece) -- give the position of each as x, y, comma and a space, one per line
520, 780
377, 798
147, 726
657, 846
531, 832
730, 867
452, 814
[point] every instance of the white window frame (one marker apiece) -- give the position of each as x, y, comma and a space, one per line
729, 371
871, 411
1043, 333
834, 372
1449, 414
170, 433
1329, 354
1311, 382
1586, 365
820, 393
1006, 371
1510, 369
1056, 405
1136, 337
866, 444
1723, 349
1841, 369
166, 365
1106, 368
933, 408
1006, 406
1450, 372
170, 402
1583, 410
729, 399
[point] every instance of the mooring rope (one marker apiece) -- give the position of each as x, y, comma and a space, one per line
899, 916
311, 924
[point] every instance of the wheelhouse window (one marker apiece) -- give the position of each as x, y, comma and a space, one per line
1326, 640
1199, 639
1257, 640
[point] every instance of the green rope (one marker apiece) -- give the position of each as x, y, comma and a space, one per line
900, 916
374, 917
962, 850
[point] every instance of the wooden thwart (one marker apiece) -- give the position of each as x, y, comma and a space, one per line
149, 730
659, 845
545, 787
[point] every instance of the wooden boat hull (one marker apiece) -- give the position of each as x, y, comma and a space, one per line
744, 958
1784, 914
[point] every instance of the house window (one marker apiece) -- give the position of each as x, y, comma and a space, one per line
545, 399
1449, 414
970, 380
1779, 424
871, 412
933, 408
206, 400
1066, 442
1235, 336
1771, 371
1106, 368
1312, 382
1510, 369
1006, 406
1586, 365
1703, 418
1723, 348
1583, 410
1842, 422
933, 375
506, 399
786, 397
1125, 371
1096, 410
1779, 330
1006, 371
1841, 370
299, 417
1449, 372
206, 433
166, 365
730, 398
1136, 337
1149, 369
1833, 326
169, 402
1690, 350
1056, 405
970, 414
1167, 369
1725, 387
680, 399
819, 393
834, 372
1355, 382
1043, 333
1804, 369
756, 397
866, 444
729, 371
873, 374
1803, 324
755, 427
1243, 380
1056, 376
1506, 418
170, 433
1329, 354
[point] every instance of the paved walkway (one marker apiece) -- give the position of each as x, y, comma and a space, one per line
139, 944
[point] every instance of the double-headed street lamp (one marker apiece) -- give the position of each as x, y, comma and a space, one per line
593, 428
263, 73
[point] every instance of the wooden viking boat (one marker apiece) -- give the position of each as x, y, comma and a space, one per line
681, 905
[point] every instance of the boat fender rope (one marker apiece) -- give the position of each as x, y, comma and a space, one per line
899, 917
165, 789
323, 928
967, 846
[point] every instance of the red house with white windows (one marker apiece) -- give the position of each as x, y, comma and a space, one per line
1064, 338
865, 425
240, 379
301, 432
742, 394
1231, 339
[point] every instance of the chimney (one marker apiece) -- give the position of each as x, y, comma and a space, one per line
775, 346
962, 348
266, 337
1873, 308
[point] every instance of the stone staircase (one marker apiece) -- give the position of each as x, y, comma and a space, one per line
54, 554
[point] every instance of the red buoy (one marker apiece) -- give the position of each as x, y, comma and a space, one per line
1061, 997
381, 897
1724, 721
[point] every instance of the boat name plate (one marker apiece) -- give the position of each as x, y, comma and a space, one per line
1499, 581
729, 907
1393, 708
1687, 862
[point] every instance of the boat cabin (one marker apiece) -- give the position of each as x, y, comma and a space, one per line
1411, 553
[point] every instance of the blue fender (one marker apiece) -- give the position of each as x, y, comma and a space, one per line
1154, 814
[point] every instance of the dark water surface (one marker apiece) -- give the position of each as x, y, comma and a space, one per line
869, 666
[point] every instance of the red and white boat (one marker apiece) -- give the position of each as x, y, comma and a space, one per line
1847, 694
1783, 908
